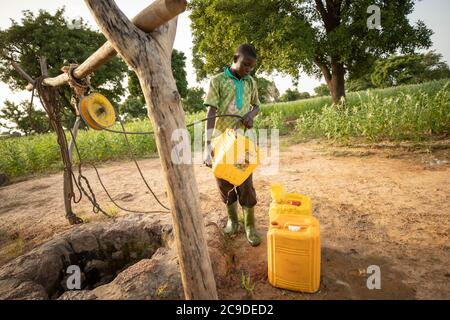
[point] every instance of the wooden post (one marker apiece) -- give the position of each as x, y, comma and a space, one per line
67, 177
150, 58
149, 19
75, 128
44, 67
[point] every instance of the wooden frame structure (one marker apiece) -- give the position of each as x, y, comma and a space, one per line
146, 44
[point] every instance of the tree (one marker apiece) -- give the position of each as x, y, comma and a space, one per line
435, 68
304, 95
194, 100
322, 90
133, 107
18, 117
324, 38
179, 73
409, 69
62, 42
267, 90
294, 95
359, 84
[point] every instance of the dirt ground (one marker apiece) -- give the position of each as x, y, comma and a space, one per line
382, 205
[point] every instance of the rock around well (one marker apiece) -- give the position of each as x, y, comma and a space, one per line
133, 257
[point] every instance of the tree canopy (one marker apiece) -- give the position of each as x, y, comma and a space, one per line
133, 107
267, 90
322, 90
194, 100
293, 95
17, 117
324, 38
409, 69
62, 41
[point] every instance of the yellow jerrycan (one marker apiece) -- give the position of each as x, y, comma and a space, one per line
235, 157
293, 243
288, 203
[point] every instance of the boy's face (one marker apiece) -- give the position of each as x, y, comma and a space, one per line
244, 65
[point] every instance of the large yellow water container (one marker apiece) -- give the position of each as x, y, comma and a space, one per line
293, 243
294, 254
235, 157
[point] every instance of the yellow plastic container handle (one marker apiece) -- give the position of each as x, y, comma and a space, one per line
277, 192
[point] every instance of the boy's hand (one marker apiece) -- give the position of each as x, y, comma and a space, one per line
247, 120
208, 156
208, 161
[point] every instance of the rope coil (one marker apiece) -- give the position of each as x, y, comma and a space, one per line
79, 86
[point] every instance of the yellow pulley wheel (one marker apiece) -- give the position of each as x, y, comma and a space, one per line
97, 111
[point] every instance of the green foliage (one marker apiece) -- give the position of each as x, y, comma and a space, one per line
50, 36
179, 73
40, 153
246, 283
359, 84
304, 95
435, 68
133, 107
294, 36
219, 26
322, 90
413, 113
267, 90
409, 69
293, 95
194, 100
15, 117
404, 112
134, 87
275, 119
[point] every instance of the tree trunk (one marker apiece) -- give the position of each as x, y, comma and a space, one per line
150, 58
331, 17
337, 83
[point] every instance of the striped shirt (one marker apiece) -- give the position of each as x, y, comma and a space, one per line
230, 95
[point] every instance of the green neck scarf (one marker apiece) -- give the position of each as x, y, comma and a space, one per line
239, 85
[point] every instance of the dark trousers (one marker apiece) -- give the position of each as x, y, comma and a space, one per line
245, 193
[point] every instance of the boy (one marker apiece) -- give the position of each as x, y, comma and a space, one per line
234, 92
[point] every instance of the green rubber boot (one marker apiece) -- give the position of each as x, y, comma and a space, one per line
233, 222
249, 222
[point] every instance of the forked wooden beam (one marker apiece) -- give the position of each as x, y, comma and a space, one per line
150, 57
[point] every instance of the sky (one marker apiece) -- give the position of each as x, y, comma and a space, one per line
433, 12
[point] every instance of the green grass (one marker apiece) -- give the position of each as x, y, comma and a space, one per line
414, 112
285, 116
410, 113
246, 283
36, 154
